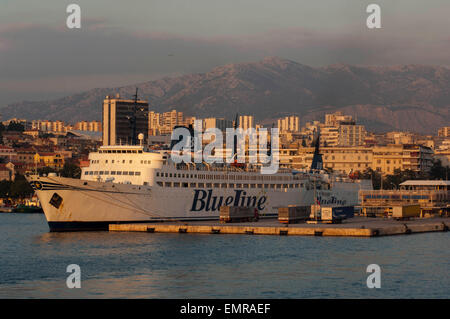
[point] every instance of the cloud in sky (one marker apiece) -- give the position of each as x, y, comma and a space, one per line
39, 59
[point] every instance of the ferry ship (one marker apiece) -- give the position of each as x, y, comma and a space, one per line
131, 184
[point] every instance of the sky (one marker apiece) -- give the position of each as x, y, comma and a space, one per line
127, 42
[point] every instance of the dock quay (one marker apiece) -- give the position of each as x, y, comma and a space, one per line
354, 227
433, 197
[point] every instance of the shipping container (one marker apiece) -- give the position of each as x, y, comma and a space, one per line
229, 214
338, 213
293, 214
405, 211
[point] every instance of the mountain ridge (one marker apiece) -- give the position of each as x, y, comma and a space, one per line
399, 97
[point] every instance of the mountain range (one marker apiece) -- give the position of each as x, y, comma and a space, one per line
407, 97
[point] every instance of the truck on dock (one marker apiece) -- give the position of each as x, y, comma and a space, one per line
293, 214
335, 214
230, 214
402, 212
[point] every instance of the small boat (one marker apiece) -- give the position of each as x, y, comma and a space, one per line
27, 209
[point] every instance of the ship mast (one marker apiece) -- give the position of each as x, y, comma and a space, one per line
317, 163
132, 119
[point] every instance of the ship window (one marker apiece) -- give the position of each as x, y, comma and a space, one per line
91, 173
131, 161
137, 173
208, 184
113, 172
140, 152
125, 173
216, 185
96, 173
119, 172
170, 175
86, 173
238, 185
193, 185
231, 186
201, 184
252, 186
245, 186
176, 184
260, 185
168, 184
131, 173
142, 161
159, 183
157, 174
106, 172
185, 184
266, 185
224, 185
129, 151
114, 151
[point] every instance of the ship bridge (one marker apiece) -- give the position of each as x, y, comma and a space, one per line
127, 164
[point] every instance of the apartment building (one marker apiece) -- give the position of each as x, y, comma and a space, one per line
117, 115
444, 131
92, 126
220, 123
385, 159
289, 124
246, 122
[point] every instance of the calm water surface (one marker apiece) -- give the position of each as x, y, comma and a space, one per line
140, 265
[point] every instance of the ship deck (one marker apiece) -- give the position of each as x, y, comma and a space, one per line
354, 227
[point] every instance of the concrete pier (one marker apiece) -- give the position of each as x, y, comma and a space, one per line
354, 227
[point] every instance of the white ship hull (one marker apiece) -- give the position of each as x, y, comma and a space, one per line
75, 204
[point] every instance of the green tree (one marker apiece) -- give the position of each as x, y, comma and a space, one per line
15, 126
303, 143
45, 170
5, 187
438, 171
375, 176
20, 188
71, 170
